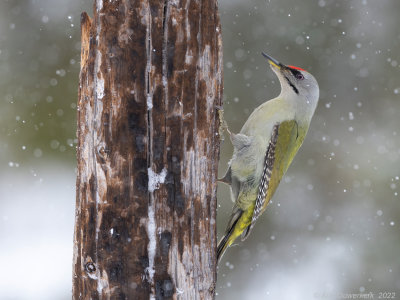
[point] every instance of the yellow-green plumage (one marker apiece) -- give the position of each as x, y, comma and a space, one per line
290, 138
265, 148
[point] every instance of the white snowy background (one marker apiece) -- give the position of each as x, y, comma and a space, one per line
334, 225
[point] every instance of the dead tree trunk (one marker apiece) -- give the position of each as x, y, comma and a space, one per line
150, 82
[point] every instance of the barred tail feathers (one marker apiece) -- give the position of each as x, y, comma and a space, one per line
238, 223
227, 240
222, 245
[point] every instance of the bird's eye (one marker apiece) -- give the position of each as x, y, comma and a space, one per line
299, 76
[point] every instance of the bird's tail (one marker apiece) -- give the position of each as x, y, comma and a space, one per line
228, 238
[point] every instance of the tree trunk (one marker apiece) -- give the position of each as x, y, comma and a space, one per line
150, 85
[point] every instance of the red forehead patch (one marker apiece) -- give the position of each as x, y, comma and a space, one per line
297, 68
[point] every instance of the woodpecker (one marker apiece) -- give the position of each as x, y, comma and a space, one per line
265, 148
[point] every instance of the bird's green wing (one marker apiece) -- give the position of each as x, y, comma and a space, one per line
283, 146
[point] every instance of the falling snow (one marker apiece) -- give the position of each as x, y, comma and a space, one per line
338, 203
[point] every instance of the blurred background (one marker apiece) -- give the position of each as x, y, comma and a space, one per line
333, 227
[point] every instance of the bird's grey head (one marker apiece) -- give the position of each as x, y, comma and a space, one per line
296, 83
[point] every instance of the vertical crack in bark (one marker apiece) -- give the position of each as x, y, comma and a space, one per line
151, 222
97, 92
195, 140
165, 15
165, 61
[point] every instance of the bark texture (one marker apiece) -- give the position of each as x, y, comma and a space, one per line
150, 85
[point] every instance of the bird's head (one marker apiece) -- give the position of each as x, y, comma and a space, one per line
295, 81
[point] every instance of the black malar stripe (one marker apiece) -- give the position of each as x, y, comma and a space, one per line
292, 85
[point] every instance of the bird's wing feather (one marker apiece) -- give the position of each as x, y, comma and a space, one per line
281, 149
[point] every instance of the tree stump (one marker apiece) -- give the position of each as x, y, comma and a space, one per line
148, 148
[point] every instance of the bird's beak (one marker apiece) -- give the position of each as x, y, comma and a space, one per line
272, 61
